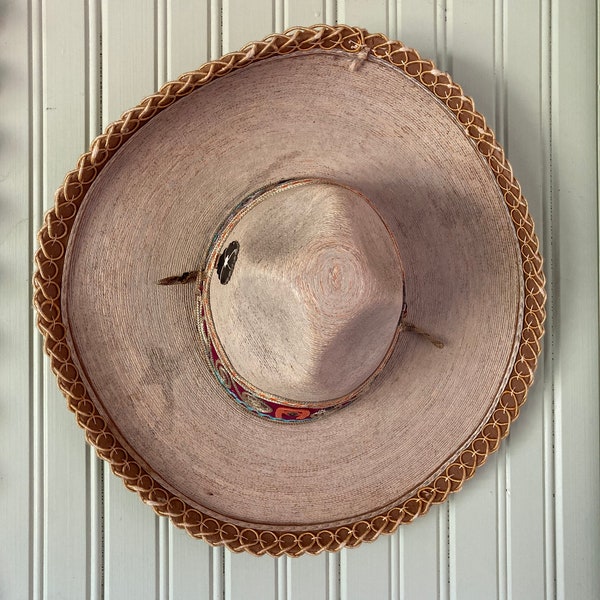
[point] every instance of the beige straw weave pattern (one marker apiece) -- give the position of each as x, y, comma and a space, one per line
59, 221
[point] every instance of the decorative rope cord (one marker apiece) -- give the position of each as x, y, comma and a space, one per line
411, 328
186, 277
58, 222
190, 276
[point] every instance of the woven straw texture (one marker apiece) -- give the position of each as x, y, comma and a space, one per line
101, 433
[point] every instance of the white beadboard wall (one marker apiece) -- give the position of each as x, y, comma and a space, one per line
527, 527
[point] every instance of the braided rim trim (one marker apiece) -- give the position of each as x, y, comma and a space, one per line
58, 222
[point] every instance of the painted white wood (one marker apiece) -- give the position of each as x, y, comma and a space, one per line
161, 41
474, 536
304, 12
308, 578
96, 550
189, 564
65, 452
243, 23
16, 497
525, 527
188, 36
529, 473
249, 576
370, 14
95, 479
130, 544
128, 55
366, 571
36, 107
423, 550
575, 207
333, 575
472, 28
418, 26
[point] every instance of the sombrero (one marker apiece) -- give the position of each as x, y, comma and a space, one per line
295, 297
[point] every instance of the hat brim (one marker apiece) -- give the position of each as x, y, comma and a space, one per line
145, 203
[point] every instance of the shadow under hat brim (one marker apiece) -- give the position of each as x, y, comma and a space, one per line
152, 211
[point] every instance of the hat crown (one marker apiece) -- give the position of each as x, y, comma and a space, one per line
312, 306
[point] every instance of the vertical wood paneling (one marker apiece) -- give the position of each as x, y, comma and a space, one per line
475, 548
366, 571
188, 36
249, 576
242, 24
95, 527
190, 574
36, 161
65, 451
370, 14
471, 53
418, 26
575, 205
525, 527
129, 72
15, 319
528, 151
304, 12
128, 55
548, 362
163, 556
420, 560
161, 42
395, 547
130, 549
95, 480
216, 28
333, 576
446, 555
308, 578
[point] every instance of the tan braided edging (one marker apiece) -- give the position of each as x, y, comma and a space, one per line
54, 235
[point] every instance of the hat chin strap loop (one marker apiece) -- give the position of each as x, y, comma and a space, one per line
410, 327
186, 277
190, 276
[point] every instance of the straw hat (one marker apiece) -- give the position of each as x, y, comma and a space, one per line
295, 297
